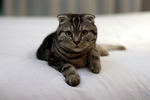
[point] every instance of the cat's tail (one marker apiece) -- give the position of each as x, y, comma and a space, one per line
104, 48
111, 47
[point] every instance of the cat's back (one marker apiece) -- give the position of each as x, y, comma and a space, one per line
44, 49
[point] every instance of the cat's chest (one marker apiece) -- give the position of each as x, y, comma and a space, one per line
79, 62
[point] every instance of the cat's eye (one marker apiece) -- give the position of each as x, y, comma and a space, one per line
84, 33
68, 33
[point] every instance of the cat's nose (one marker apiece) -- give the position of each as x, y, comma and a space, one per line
76, 42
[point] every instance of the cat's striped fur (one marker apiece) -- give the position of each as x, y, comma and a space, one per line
73, 45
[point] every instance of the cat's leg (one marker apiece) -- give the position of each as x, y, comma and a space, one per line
69, 71
94, 60
102, 52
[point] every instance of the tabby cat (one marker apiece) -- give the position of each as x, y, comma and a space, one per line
73, 45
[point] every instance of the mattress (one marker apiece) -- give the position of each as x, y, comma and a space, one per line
125, 75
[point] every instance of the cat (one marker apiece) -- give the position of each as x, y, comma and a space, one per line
73, 45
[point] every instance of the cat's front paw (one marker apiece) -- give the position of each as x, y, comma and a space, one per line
95, 67
73, 79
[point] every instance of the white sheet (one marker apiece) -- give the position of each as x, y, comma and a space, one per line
125, 75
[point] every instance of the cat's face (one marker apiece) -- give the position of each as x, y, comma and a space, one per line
76, 32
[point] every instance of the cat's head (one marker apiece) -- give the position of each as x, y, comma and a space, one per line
76, 32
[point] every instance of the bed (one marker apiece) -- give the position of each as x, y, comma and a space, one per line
125, 75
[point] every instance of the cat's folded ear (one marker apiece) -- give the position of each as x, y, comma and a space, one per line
62, 18
89, 17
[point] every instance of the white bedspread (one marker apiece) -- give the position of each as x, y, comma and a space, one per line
125, 75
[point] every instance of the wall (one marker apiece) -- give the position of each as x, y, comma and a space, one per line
54, 7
